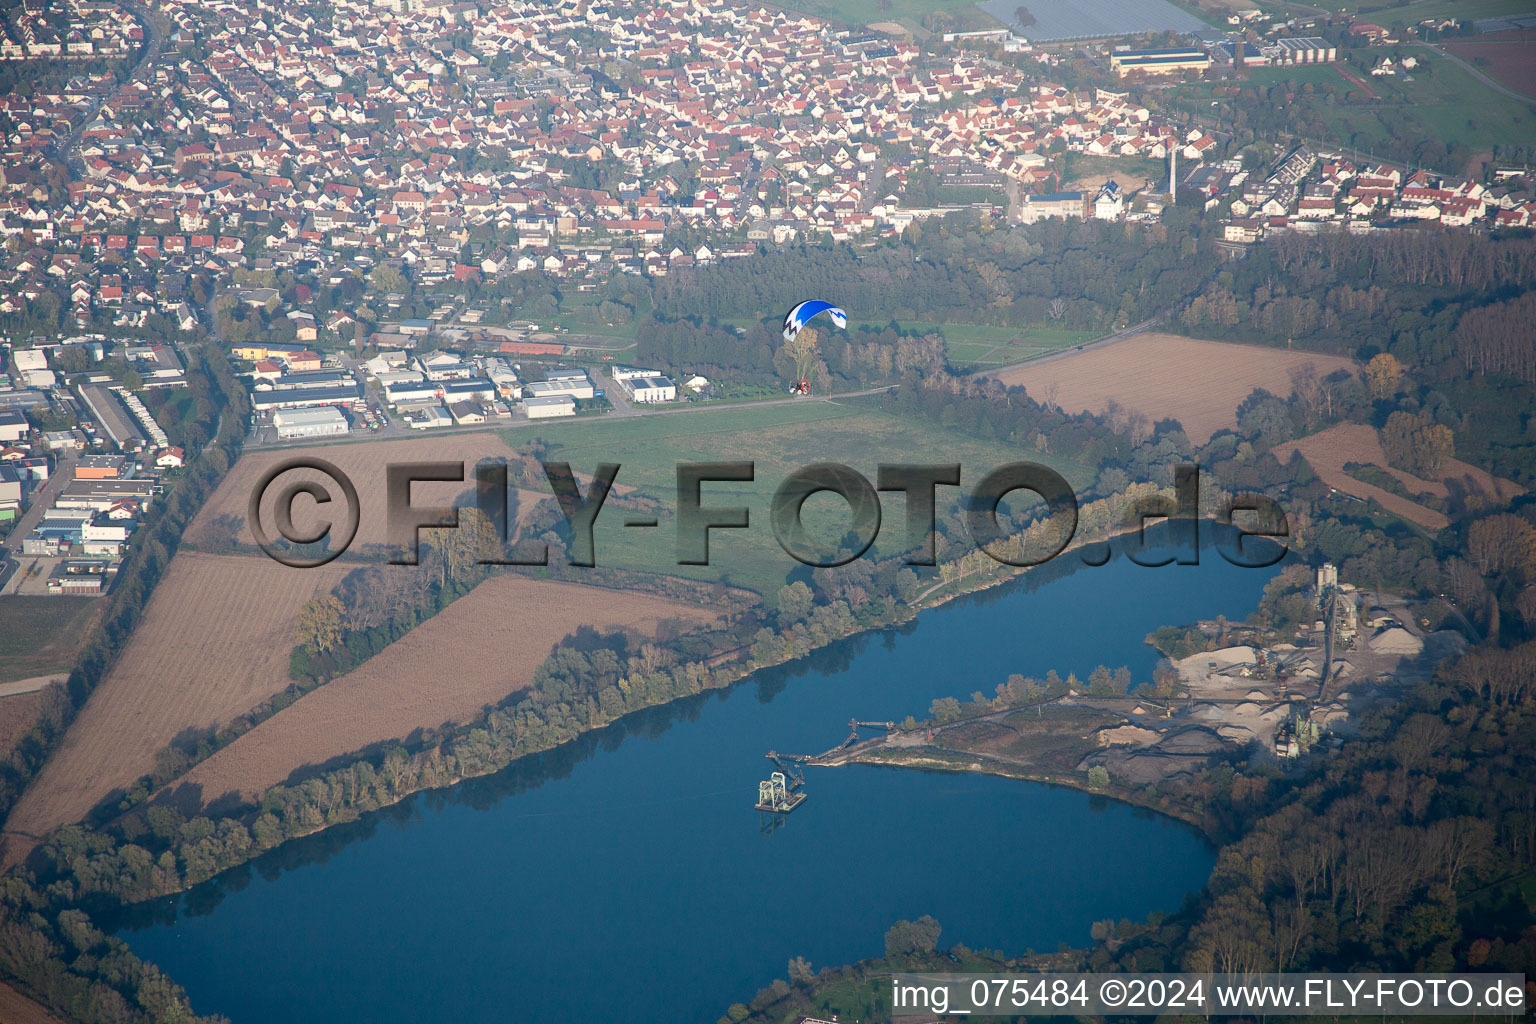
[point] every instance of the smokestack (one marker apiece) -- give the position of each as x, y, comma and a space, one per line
1173, 162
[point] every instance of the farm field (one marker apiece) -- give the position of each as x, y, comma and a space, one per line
1506, 57
16, 1008
999, 346
1198, 383
1327, 452
778, 439
223, 518
214, 642
480, 649
1470, 10
42, 635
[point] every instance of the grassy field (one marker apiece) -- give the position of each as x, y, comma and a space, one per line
41, 636
972, 346
986, 347
778, 439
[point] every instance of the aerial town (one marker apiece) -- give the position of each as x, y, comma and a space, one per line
1185, 336
465, 145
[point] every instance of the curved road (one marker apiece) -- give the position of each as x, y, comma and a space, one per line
1476, 73
1122, 335
154, 38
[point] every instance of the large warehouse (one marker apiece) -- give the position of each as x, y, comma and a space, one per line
1159, 62
548, 406
324, 422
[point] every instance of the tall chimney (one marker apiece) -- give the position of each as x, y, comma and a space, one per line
1173, 163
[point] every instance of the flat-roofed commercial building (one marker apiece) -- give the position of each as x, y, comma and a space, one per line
306, 398
107, 409
101, 495
1305, 50
323, 422
1061, 205
1167, 61
549, 406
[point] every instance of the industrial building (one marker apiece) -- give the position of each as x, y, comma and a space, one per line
107, 409
1062, 205
323, 422
1167, 61
650, 390
263, 399
100, 467
13, 426
1306, 50
101, 495
549, 406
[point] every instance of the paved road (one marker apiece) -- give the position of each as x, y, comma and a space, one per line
41, 501
30, 685
1477, 74
148, 54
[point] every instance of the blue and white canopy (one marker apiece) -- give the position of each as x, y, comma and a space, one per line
802, 314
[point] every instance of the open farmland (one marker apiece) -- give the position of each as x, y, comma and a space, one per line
1329, 450
1507, 57
1162, 376
41, 635
482, 648
16, 1008
223, 520
214, 642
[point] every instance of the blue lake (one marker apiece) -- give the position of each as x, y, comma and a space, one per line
626, 876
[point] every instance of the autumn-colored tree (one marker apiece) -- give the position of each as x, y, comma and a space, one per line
1382, 375
319, 624
1417, 444
1500, 543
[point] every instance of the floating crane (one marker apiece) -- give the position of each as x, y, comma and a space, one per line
775, 796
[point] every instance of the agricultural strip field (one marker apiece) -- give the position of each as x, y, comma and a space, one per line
214, 642
223, 519
1327, 452
482, 648
778, 439
1162, 376
42, 635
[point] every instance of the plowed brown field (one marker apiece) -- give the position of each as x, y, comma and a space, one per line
1198, 383
225, 513
214, 642
479, 650
1327, 452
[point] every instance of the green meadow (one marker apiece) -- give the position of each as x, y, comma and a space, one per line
778, 439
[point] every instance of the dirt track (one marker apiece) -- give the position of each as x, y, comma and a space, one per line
1198, 383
